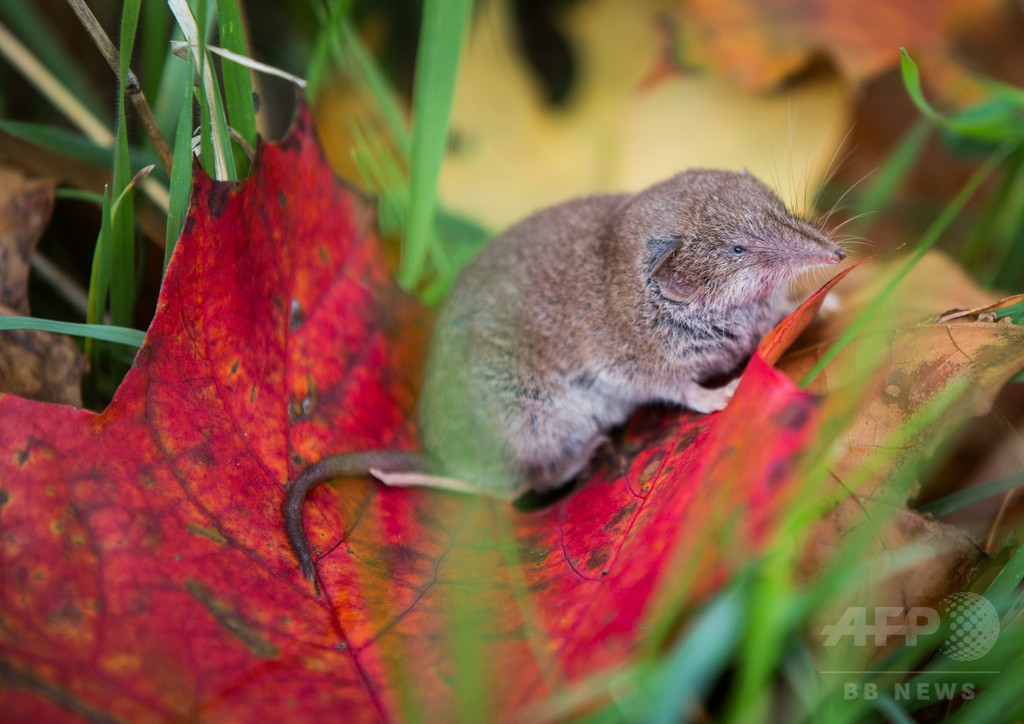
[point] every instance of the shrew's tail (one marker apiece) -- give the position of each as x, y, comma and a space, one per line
350, 465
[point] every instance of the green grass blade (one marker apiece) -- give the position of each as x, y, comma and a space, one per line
974, 494
126, 193
153, 55
998, 703
1007, 581
103, 332
59, 139
181, 172
319, 58
976, 252
892, 711
378, 86
99, 279
437, 60
122, 274
53, 88
172, 87
800, 673
38, 33
340, 42
216, 119
72, 194
215, 146
1008, 225
912, 82
237, 80
71, 144
219, 119
928, 240
993, 120
207, 154
768, 623
698, 660
890, 177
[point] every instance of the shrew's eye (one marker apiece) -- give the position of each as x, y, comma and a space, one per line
738, 250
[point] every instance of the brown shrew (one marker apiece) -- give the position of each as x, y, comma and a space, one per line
571, 319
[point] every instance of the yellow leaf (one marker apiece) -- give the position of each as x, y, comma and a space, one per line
513, 154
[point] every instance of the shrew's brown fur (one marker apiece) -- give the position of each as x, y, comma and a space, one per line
573, 318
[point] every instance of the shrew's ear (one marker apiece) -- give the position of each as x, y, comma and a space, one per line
671, 282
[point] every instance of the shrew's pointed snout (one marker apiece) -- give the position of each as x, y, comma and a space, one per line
837, 256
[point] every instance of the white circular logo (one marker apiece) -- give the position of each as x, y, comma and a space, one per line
973, 626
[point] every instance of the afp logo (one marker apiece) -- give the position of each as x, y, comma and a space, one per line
972, 622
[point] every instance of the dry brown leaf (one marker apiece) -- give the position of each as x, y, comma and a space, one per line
905, 362
911, 380
761, 44
25, 209
41, 365
909, 560
38, 365
42, 162
951, 557
942, 373
935, 286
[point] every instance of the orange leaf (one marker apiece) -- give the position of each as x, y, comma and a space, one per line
761, 44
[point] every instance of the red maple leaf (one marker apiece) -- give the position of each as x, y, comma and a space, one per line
146, 574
